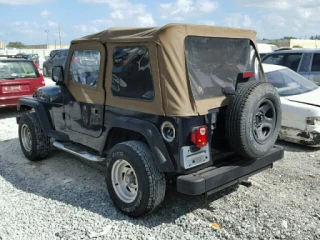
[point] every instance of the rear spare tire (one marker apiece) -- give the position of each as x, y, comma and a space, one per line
253, 119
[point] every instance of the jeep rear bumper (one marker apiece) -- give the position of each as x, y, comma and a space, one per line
213, 179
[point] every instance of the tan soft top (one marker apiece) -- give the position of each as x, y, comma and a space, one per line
176, 94
155, 34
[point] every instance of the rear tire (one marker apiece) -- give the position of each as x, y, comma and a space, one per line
253, 119
34, 143
135, 184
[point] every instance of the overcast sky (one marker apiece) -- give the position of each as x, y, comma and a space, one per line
27, 20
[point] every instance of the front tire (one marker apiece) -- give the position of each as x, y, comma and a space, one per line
135, 184
34, 143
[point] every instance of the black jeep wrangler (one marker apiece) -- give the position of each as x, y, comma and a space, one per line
185, 101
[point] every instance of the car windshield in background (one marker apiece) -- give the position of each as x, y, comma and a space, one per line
290, 83
215, 63
17, 69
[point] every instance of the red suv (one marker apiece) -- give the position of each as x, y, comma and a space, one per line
18, 78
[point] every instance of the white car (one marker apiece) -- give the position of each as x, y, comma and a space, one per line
300, 99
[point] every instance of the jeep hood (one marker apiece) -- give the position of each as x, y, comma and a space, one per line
310, 98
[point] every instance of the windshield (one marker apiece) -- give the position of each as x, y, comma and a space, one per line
17, 69
215, 63
289, 83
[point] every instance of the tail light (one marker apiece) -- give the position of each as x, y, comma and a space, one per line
199, 136
248, 74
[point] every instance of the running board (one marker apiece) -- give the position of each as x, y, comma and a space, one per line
78, 152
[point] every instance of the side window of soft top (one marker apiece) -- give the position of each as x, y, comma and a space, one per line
84, 69
131, 73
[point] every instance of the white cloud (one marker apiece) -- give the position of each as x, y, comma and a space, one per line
25, 27
273, 4
181, 9
85, 28
207, 22
23, 2
207, 6
53, 24
117, 15
238, 20
146, 20
45, 13
123, 13
298, 18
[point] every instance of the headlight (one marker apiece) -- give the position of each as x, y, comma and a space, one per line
313, 121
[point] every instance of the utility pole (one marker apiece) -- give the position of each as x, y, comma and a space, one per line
60, 37
47, 31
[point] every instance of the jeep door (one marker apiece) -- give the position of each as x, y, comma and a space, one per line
84, 95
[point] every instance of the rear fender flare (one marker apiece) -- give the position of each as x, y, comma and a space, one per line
151, 134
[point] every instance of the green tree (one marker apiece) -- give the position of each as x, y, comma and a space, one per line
288, 38
297, 46
16, 45
316, 37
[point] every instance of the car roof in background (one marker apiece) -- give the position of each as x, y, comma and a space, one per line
56, 50
271, 67
14, 60
302, 50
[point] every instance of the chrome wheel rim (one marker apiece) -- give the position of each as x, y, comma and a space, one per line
124, 181
26, 138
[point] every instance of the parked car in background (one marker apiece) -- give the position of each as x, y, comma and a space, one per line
87, 57
306, 62
265, 48
58, 59
18, 78
51, 54
300, 100
29, 56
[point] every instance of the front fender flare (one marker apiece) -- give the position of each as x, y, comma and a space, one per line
151, 134
43, 116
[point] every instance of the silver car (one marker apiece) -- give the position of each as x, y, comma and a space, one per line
306, 62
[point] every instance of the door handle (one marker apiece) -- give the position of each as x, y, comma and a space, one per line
96, 112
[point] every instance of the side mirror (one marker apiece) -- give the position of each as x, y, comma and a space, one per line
57, 75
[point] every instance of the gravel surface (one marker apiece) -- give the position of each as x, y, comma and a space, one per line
62, 197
